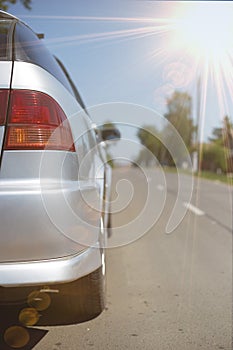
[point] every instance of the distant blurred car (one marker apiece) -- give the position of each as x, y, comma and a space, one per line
53, 178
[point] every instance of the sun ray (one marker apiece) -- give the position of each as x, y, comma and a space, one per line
206, 43
151, 20
137, 33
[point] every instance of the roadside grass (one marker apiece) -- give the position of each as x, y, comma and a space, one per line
224, 178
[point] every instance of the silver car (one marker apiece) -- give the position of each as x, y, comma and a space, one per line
53, 185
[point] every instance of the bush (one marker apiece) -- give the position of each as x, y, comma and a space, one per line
214, 157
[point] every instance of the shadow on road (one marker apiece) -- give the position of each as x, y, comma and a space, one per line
14, 335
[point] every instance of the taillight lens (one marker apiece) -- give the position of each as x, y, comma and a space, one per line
3, 105
37, 122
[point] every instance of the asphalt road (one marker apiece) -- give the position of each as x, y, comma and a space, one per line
164, 291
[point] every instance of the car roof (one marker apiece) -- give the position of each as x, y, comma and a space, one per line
6, 15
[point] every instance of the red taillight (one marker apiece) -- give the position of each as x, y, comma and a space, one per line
35, 122
3, 105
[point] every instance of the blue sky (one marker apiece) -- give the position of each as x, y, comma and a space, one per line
112, 55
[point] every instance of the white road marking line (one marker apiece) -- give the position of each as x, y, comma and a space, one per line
194, 209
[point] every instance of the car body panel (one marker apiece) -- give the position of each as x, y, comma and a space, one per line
46, 222
6, 69
51, 202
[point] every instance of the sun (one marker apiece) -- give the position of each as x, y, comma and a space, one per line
206, 29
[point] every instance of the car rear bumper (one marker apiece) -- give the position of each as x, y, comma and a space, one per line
50, 271
50, 227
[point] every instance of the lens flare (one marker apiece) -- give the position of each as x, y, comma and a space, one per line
28, 316
206, 30
39, 300
203, 35
16, 337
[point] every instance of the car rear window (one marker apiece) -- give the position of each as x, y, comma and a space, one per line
29, 48
5, 36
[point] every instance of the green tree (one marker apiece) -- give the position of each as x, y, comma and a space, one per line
218, 154
223, 135
217, 136
179, 114
214, 157
149, 137
4, 4
228, 132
